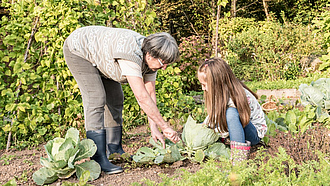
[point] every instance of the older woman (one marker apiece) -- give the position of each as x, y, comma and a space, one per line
100, 59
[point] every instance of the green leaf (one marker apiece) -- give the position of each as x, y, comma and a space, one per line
156, 144
48, 148
311, 95
217, 150
172, 155
21, 108
52, 164
327, 104
5, 59
198, 136
144, 155
65, 173
17, 66
177, 70
159, 159
222, 3
44, 176
50, 106
84, 177
291, 118
42, 131
87, 149
73, 134
199, 156
73, 156
6, 128
64, 151
92, 166
11, 182
57, 142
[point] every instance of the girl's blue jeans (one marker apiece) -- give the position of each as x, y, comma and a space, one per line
237, 132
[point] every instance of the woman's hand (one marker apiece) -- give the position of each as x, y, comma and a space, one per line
171, 134
168, 132
156, 134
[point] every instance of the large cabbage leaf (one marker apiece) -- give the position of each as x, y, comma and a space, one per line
87, 149
145, 155
73, 134
92, 166
217, 150
44, 176
311, 95
198, 136
317, 94
158, 154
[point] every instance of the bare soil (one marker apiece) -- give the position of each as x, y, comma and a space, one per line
22, 164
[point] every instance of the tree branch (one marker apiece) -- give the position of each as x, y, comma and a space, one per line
247, 6
192, 26
20, 82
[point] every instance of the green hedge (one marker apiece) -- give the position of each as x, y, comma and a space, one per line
39, 94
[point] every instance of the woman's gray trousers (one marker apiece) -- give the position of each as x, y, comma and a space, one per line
102, 98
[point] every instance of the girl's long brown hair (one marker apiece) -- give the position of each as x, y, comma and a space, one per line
222, 84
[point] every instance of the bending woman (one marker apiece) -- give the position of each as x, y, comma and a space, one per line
101, 59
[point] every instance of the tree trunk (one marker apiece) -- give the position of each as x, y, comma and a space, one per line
265, 8
233, 8
216, 31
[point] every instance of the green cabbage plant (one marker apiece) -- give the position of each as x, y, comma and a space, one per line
199, 142
63, 156
198, 136
158, 154
318, 95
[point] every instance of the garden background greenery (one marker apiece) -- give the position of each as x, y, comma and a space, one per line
270, 44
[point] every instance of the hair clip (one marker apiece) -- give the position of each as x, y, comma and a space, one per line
206, 59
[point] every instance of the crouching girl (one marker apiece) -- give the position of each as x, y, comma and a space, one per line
232, 108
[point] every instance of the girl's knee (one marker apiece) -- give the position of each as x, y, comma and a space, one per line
232, 115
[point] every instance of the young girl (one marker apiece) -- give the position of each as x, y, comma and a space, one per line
232, 108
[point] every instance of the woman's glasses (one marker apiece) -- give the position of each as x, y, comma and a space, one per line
160, 62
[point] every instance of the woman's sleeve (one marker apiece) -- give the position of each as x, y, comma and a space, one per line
129, 68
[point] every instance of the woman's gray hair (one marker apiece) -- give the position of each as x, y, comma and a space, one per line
161, 45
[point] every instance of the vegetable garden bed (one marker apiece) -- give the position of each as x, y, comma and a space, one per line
22, 164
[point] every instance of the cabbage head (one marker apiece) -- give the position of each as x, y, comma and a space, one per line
63, 159
317, 94
198, 136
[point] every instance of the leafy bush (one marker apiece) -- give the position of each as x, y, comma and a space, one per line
322, 25
193, 51
63, 156
271, 51
41, 98
229, 28
184, 18
303, 11
285, 84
